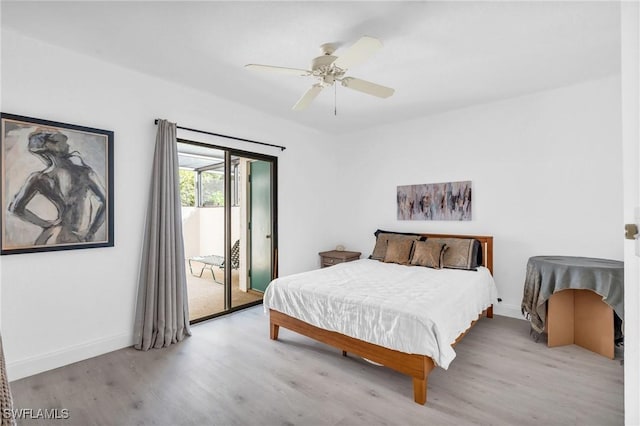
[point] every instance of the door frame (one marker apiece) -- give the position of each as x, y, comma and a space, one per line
233, 152
630, 94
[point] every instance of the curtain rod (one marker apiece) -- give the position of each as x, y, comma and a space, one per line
282, 148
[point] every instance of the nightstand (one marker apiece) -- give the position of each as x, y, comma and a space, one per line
333, 257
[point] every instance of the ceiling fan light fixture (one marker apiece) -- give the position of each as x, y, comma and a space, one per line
328, 69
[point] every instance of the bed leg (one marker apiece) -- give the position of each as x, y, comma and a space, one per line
490, 312
420, 390
344, 353
273, 331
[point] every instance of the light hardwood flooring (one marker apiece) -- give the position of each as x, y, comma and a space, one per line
230, 373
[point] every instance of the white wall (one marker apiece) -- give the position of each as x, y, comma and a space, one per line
203, 230
545, 171
60, 307
191, 231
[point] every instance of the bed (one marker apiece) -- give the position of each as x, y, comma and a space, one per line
404, 317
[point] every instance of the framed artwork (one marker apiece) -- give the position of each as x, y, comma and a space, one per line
56, 185
435, 201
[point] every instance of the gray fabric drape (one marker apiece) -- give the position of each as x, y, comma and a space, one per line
6, 402
549, 274
162, 311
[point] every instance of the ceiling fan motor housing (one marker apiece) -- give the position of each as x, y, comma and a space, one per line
322, 62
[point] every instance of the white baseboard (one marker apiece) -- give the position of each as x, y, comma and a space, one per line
39, 363
48, 361
506, 310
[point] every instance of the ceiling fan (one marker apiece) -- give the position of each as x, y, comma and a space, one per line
328, 69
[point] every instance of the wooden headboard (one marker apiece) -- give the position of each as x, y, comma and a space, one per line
486, 242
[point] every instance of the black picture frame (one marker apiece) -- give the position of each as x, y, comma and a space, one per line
56, 186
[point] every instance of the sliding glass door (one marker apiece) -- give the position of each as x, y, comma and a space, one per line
229, 227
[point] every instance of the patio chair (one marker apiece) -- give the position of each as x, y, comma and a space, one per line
212, 260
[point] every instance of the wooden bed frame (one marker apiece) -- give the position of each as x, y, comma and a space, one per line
414, 365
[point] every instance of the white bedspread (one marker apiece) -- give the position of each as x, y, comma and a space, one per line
411, 309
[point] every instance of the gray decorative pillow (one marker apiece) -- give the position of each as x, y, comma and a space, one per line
428, 253
382, 238
398, 251
461, 253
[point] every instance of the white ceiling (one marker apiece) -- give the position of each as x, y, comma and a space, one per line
437, 55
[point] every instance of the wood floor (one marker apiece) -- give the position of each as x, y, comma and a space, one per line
230, 373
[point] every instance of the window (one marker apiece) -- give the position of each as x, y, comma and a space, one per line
235, 182
188, 188
211, 188
205, 188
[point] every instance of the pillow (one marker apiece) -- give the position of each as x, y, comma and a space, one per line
461, 253
428, 253
382, 237
398, 251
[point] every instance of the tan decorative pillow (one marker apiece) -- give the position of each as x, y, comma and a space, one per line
428, 253
382, 239
398, 251
461, 253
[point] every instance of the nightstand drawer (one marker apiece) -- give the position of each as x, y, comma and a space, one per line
328, 261
333, 257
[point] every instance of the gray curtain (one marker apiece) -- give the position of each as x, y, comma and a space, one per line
162, 311
6, 403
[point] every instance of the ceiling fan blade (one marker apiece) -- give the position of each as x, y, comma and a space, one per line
367, 87
308, 97
280, 70
358, 53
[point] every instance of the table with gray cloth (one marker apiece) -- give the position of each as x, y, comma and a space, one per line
549, 274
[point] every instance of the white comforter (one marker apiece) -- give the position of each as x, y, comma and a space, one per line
411, 309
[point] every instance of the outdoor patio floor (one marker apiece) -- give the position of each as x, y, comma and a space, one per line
206, 297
